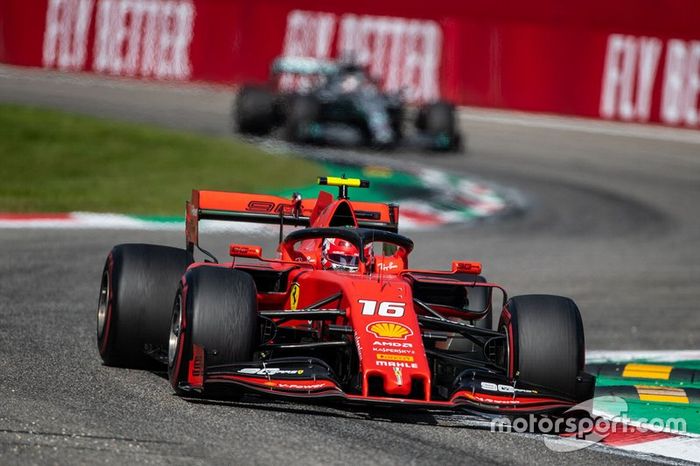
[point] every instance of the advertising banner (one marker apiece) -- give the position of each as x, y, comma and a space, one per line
634, 60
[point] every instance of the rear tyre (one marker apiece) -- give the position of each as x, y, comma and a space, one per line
136, 294
255, 110
215, 309
302, 113
545, 342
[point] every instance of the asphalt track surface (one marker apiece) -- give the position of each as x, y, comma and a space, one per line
611, 220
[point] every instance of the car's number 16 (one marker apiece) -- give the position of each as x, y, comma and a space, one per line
386, 308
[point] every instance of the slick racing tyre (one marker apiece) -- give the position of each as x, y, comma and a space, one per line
214, 315
545, 342
138, 284
302, 113
437, 120
255, 110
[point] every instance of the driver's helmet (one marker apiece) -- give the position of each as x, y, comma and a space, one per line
338, 254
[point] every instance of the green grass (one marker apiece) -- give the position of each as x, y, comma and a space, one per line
52, 161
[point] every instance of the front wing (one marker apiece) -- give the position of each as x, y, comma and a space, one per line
311, 378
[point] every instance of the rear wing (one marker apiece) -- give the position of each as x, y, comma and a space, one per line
276, 210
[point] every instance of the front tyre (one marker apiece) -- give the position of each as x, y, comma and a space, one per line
545, 343
214, 318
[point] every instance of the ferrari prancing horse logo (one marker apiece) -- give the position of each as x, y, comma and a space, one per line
294, 296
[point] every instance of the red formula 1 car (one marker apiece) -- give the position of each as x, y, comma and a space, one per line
338, 314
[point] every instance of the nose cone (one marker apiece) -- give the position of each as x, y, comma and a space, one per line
399, 376
389, 342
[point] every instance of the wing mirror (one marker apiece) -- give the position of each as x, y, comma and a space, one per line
245, 250
466, 267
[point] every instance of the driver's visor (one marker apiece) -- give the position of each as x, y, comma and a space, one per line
344, 259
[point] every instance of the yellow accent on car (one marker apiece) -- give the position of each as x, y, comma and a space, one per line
389, 330
394, 357
294, 296
338, 181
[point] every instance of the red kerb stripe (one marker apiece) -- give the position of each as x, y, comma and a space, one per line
33, 216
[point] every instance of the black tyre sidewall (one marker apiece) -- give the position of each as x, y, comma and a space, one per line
105, 344
177, 369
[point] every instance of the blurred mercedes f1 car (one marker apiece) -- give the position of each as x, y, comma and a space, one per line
339, 104
338, 314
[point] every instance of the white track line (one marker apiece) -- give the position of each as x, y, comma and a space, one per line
681, 447
581, 125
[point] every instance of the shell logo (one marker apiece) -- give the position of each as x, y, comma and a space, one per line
391, 330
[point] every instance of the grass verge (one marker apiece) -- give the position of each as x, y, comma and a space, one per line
52, 161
